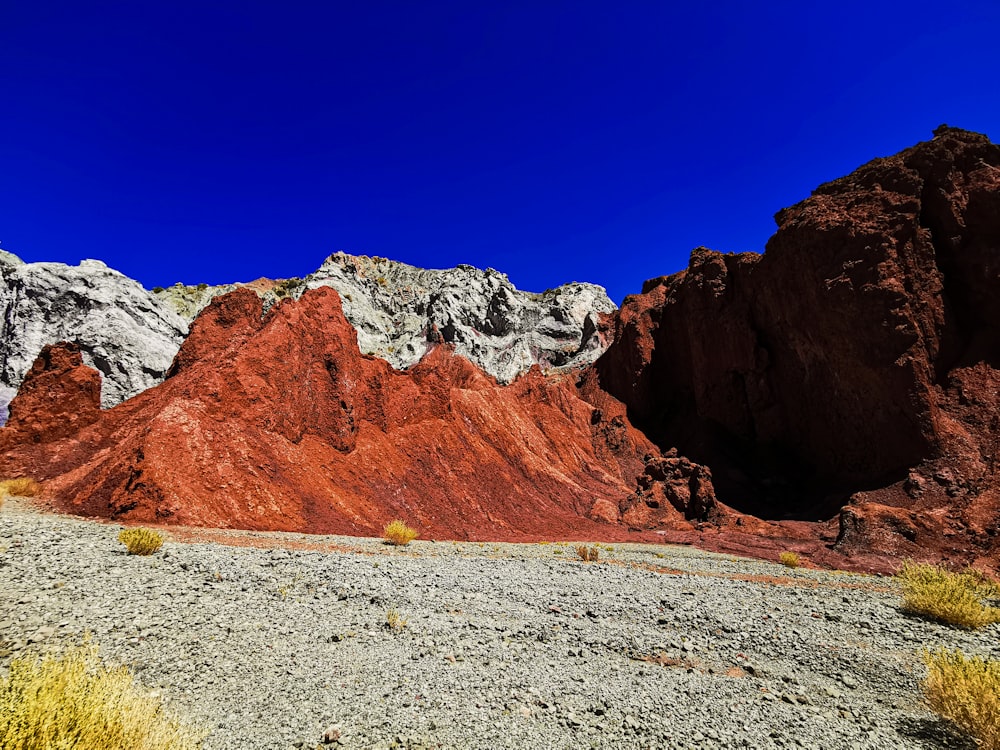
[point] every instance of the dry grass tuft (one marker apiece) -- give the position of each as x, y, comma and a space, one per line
395, 621
20, 487
140, 541
398, 533
934, 592
789, 559
73, 701
966, 691
588, 554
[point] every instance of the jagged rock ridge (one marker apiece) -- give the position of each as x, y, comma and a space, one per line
122, 330
277, 421
850, 376
854, 362
131, 335
400, 311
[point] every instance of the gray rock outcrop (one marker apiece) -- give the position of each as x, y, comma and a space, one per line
399, 311
131, 335
123, 331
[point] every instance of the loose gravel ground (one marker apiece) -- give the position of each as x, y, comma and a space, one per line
504, 646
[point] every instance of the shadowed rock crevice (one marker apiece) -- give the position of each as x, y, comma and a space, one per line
859, 348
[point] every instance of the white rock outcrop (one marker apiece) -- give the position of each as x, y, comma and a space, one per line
400, 310
131, 335
124, 331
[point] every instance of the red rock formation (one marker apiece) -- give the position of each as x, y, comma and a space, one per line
846, 380
60, 396
278, 422
854, 361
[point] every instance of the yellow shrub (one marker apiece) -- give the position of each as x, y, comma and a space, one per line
20, 487
73, 701
965, 691
953, 598
588, 554
398, 533
140, 541
395, 621
789, 559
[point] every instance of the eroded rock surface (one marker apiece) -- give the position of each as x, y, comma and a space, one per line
277, 421
856, 360
121, 329
401, 311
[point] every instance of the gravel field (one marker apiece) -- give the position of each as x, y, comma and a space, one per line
278, 644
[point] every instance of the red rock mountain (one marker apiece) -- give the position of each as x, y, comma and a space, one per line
855, 362
277, 421
846, 381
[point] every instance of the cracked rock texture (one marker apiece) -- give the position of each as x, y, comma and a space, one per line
401, 311
330, 439
123, 331
854, 364
130, 335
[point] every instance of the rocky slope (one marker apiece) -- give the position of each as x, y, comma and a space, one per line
401, 311
122, 330
854, 362
279, 422
131, 335
838, 393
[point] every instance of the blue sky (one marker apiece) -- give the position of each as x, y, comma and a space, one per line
554, 141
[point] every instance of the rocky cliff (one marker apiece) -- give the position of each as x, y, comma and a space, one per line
840, 394
131, 335
401, 311
121, 329
854, 362
277, 421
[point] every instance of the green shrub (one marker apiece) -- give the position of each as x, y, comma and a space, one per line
74, 701
398, 533
140, 541
934, 592
966, 691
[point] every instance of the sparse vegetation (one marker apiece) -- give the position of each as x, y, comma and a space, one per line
140, 541
19, 487
74, 701
966, 691
588, 554
937, 593
286, 287
789, 559
395, 621
398, 533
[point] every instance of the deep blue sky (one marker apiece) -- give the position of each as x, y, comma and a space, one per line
593, 141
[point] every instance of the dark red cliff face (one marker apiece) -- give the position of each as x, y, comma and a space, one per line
278, 422
858, 354
846, 381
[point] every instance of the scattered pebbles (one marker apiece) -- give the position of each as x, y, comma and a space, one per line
503, 646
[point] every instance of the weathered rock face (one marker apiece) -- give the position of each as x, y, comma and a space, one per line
121, 329
401, 311
276, 421
859, 352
